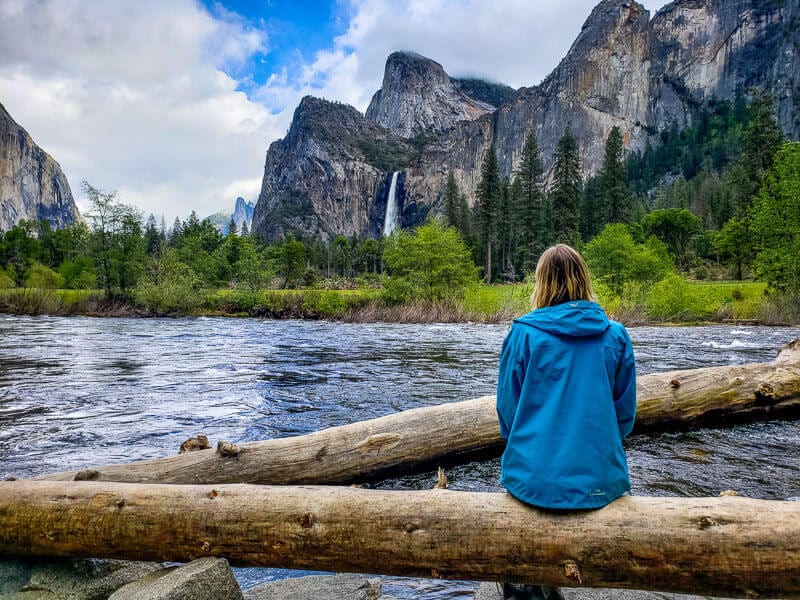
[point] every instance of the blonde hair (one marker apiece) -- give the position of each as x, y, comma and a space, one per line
561, 276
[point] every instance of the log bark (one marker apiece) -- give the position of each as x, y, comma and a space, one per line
729, 546
675, 399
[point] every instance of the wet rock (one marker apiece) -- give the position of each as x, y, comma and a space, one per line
66, 579
318, 587
491, 591
208, 578
14, 574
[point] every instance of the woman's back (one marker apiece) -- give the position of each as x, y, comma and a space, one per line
566, 398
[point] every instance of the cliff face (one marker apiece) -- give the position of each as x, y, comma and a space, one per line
323, 177
32, 186
702, 49
417, 96
624, 69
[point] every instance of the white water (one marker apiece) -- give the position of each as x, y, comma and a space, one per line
390, 222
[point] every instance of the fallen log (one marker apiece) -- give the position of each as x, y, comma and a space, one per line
730, 546
423, 435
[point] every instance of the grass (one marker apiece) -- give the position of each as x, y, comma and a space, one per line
672, 301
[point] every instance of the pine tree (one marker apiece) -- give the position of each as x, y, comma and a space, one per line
762, 138
615, 196
591, 213
489, 195
232, 228
176, 232
532, 210
507, 232
451, 201
565, 194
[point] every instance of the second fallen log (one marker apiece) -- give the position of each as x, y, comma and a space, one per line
728, 546
422, 435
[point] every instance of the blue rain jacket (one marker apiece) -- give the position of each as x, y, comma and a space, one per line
566, 398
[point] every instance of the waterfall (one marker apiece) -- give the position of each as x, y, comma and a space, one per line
390, 221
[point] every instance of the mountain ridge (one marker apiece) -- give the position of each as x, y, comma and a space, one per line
624, 69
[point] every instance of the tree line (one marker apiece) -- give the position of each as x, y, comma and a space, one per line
717, 197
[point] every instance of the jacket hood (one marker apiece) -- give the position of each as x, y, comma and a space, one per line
579, 318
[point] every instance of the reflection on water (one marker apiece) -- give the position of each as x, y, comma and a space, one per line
77, 392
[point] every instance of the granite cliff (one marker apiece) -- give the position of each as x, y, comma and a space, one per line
624, 69
32, 185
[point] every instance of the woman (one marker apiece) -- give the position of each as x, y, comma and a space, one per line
566, 397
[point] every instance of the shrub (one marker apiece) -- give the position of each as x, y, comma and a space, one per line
41, 277
434, 262
168, 286
6, 280
614, 258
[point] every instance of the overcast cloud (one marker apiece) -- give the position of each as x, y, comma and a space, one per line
136, 95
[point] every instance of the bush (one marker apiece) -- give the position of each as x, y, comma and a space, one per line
434, 263
78, 274
670, 300
168, 286
614, 258
41, 277
6, 280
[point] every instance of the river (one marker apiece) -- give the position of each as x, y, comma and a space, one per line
76, 392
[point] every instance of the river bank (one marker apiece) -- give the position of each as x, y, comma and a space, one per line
678, 302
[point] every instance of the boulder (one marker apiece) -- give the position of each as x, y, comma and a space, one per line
68, 579
318, 587
208, 578
491, 591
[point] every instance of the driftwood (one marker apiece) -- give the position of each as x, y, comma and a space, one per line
727, 546
712, 395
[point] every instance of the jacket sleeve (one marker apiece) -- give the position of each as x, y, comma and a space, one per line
509, 381
625, 389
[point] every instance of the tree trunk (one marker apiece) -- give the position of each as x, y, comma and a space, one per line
675, 399
716, 546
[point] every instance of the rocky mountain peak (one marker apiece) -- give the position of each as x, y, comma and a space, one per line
417, 95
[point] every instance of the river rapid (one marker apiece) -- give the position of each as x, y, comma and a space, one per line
77, 392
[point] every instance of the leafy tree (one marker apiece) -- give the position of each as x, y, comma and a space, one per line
19, 246
532, 211
168, 285
78, 274
488, 208
776, 222
433, 262
675, 227
734, 243
291, 260
615, 258
117, 243
565, 194
254, 271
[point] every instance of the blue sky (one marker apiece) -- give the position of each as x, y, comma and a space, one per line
174, 103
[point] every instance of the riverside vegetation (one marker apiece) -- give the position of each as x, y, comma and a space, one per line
660, 230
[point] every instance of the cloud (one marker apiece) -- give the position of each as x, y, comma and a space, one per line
135, 96
516, 42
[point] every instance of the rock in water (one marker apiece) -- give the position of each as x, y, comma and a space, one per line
208, 578
318, 587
